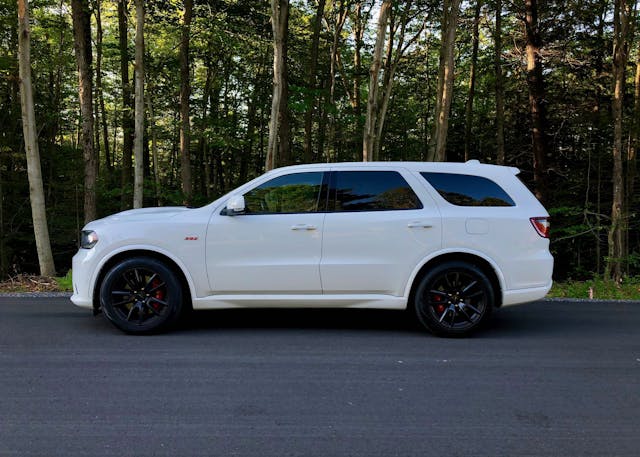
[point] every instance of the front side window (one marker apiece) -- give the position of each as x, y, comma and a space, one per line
372, 191
294, 193
468, 190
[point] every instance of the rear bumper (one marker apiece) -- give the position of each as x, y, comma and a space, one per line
513, 297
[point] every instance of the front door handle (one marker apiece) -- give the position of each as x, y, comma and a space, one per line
418, 224
303, 227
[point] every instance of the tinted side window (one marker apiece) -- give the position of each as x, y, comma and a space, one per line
294, 193
372, 191
468, 190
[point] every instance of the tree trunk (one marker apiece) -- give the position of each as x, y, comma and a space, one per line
621, 37
279, 118
368, 137
468, 123
632, 153
154, 147
312, 85
99, 91
499, 87
185, 92
536, 98
127, 108
358, 35
444, 94
138, 179
82, 39
34, 172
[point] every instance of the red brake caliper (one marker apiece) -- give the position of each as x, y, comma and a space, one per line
159, 294
439, 307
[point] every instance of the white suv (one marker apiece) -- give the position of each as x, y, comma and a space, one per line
451, 241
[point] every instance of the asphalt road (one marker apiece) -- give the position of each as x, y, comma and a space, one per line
545, 379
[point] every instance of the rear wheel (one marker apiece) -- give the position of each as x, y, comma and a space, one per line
141, 295
454, 299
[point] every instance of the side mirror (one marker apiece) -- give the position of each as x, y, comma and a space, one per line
235, 205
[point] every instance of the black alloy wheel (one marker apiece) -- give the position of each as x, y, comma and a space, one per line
454, 299
141, 295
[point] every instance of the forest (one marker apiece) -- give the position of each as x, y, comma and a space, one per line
107, 105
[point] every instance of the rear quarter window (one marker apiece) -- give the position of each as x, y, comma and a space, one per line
468, 190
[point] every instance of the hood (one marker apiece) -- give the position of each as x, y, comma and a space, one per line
146, 214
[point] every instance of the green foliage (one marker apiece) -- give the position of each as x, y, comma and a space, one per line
597, 288
231, 86
65, 283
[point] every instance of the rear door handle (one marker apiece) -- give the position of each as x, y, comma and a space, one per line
303, 227
418, 224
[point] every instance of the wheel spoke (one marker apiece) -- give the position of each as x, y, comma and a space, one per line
157, 300
150, 282
120, 292
444, 314
130, 315
473, 308
453, 317
139, 280
124, 302
152, 309
446, 278
156, 288
474, 295
466, 289
128, 280
466, 315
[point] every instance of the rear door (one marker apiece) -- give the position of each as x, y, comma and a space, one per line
377, 229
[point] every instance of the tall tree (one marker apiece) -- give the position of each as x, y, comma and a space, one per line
368, 140
537, 100
499, 85
100, 108
444, 93
468, 122
138, 180
34, 172
82, 44
185, 92
623, 11
278, 146
312, 83
127, 106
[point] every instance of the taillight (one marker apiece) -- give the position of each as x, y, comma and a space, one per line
541, 224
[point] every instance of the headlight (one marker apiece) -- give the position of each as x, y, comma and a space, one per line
88, 239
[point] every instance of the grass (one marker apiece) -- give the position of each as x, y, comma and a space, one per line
64, 283
597, 288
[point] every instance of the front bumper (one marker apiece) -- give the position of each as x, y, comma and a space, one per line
82, 272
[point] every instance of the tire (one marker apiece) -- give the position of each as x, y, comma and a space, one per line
141, 295
454, 299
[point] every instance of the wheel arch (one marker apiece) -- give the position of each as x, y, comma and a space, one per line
117, 257
487, 266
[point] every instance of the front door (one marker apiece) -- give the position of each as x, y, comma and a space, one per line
274, 247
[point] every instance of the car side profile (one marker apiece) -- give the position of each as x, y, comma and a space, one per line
450, 241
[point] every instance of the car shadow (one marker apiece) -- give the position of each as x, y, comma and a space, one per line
542, 318
281, 318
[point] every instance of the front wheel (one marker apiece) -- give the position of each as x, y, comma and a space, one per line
454, 299
141, 295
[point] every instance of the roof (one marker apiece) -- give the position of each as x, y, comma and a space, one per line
471, 166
